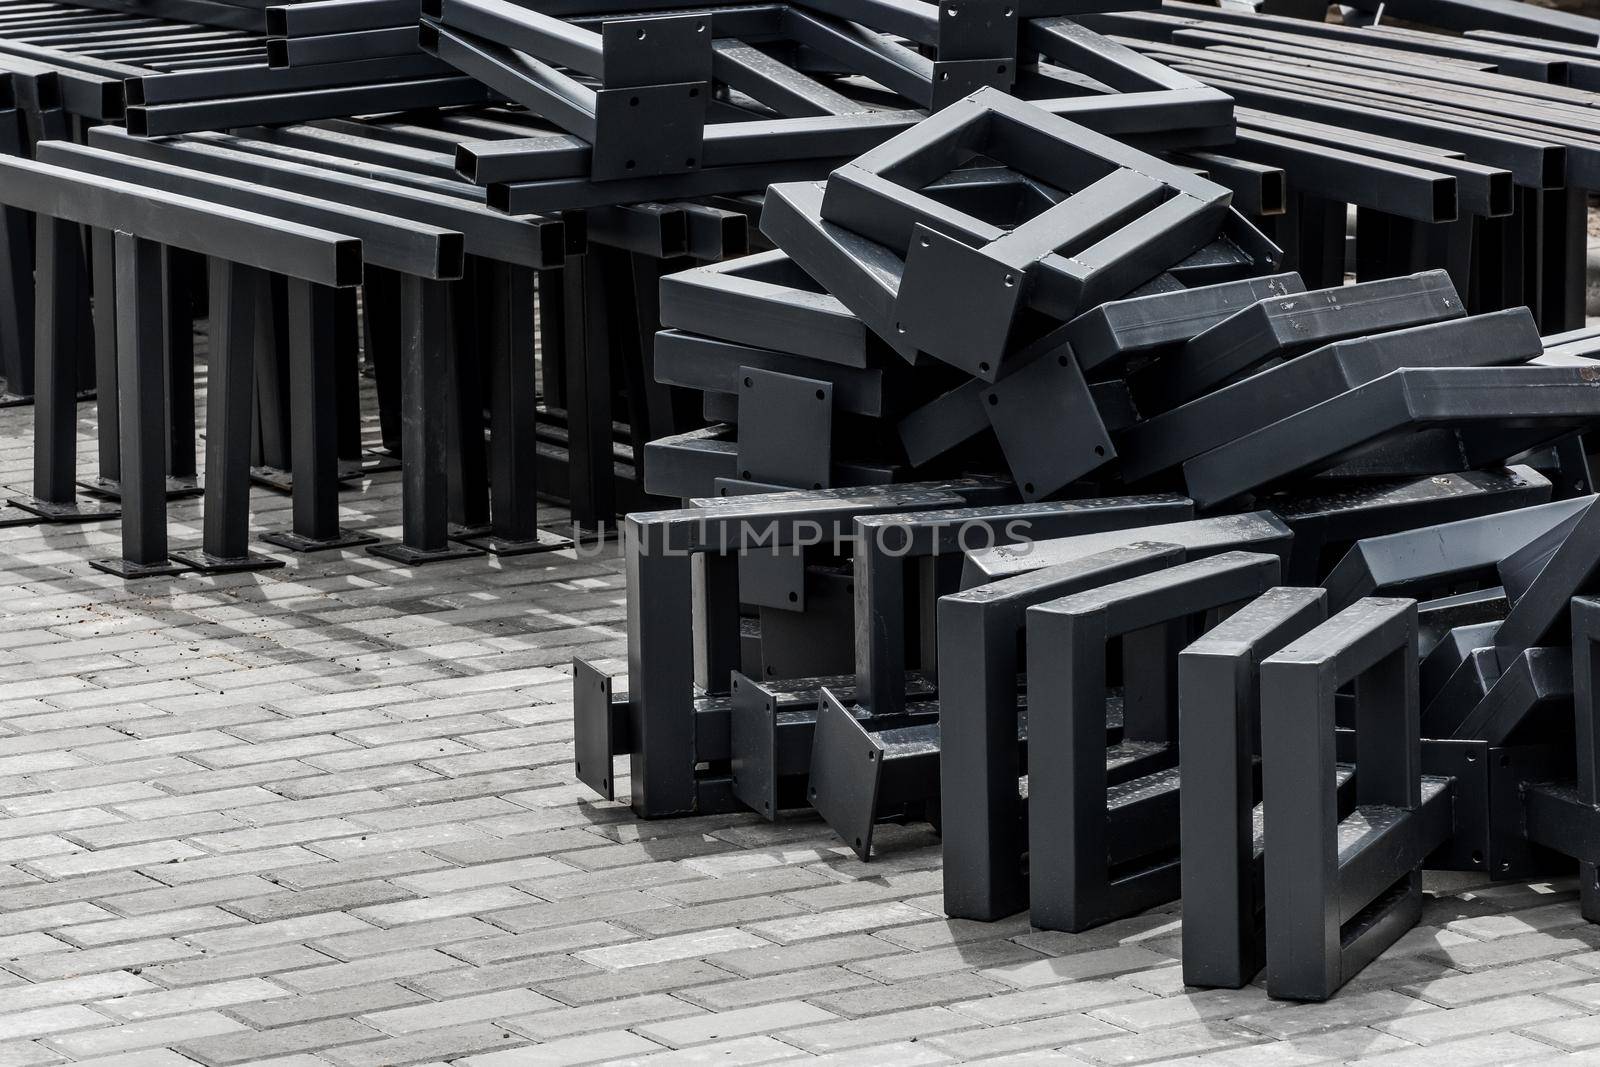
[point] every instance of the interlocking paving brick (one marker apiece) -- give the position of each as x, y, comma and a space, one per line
244, 1046
699, 1029
1095, 963
214, 968
1495, 1048
325, 815
1523, 977
856, 1033
189, 999
433, 1045
483, 1007
635, 981
699, 944
145, 1035
284, 1011
990, 1041
627, 1013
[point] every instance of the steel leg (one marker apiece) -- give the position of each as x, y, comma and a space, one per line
142, 401
381, 309
229, 398
55, 423
314, 425
424, 366
513, 444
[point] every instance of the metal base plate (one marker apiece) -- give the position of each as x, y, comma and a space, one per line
73, 511
9, 399
375, 462
199, 559
283, 481
403, 553
17, 517
177, 488
126, 568
593, 743
300, 543
507, 546
845, 772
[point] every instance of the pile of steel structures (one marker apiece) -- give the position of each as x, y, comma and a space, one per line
1020, 407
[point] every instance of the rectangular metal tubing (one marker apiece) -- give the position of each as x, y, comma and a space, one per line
1219, 727
389, 241
750, 301
337, 16
983, 824
155, 120
886, 546
1538, 164
1118, 328
712, 365
1497, 15
1072, 885
1260, 531
342, 47
1317, 877
548, 157
354, 149
533, 242
1411, 192
208, 84
1480, 190
1281, 327
517, 77
183, 222
1543, 403
140, 400
1255, 402
663, 662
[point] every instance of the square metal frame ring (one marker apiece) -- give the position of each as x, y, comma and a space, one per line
1124, 218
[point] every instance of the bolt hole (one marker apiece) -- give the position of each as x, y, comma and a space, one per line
1027, 487
633, 101
821, 395
983, 367
924, 242
993, 400
794, 598
689, 162
858, 843
1477, 859
745, 475
1099, 450
813, 792
945, 76
900, 327
1001, 69
699, 27
1010, 280
871, 756
816, 485
748, 383
952, 12
628, 165
1505, 761
1061, 360
639, 34
694, 91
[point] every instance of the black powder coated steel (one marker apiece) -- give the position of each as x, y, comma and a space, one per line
1106, 851
1341, 890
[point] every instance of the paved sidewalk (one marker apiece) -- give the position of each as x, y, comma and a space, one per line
325, 816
